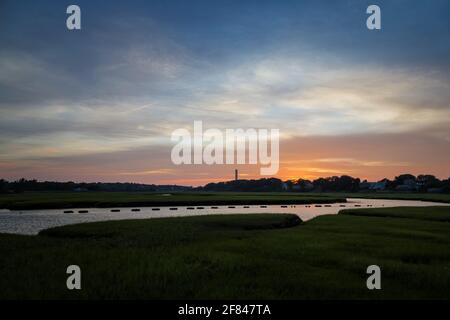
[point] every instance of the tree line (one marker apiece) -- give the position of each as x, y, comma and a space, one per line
345, 183
23, 185
401, 183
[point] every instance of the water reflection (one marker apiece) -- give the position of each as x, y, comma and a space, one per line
33, 221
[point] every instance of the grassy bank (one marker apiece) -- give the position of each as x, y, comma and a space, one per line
60, 200
441, 214
235, 257
435, 197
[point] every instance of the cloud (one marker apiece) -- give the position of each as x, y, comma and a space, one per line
148, 172
136, 73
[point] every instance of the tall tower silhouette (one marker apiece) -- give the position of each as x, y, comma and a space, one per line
236, 174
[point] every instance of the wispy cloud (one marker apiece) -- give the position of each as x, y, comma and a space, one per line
344, 100
148, 172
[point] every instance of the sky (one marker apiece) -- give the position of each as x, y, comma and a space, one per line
100, 103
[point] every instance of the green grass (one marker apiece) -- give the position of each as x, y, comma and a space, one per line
59, 200
235, 257
441, 214
435, 197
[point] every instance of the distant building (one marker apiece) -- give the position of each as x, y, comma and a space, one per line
303, 185
80, 189
366, 185
236, 174
407, 185
380, 185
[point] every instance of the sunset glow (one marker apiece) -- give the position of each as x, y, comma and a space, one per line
100, 104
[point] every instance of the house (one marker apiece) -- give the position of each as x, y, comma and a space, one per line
380, 185
407, 185
80, 189
366, 185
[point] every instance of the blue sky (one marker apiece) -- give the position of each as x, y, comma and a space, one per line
139, 69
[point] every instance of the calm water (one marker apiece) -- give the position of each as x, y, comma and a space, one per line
33, 221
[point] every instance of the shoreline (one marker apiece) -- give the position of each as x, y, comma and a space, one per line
70, 200
36, 201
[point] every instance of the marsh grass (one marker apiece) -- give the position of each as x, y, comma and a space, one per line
61, 200
234, 257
